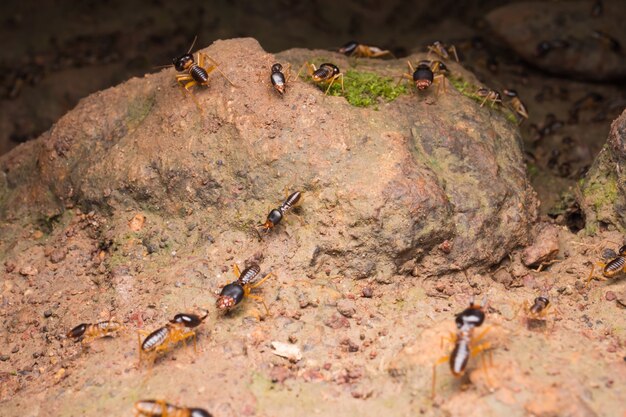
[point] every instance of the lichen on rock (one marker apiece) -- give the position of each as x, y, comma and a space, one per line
601, 193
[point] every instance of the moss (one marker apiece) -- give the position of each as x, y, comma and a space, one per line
602, 194
532, 170
365, 89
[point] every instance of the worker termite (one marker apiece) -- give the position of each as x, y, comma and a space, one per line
278, 78
589, 101
195, 73
426, 73
327, 73
88, 332
612, 268
276, 215
516, 104
489, 94
443, 51
163, 338
233, 293
160, 408
537, 312
465, 342
359, 50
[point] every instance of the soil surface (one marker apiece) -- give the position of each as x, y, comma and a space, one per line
368, 341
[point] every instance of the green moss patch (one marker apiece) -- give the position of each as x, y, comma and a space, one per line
365, 89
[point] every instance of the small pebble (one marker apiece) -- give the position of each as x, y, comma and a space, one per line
346, 307
610, 296
367, 292
4, 358
15, 349
47, 313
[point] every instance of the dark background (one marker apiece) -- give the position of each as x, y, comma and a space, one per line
53, 53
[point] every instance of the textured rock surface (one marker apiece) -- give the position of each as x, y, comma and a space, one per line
386, 186
569, 26
602, 194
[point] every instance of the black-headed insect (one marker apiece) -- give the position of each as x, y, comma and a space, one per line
195, 73
589, 101
160, 408
465, 342
536, 313
278, 78
276, 215
427, 73
442, 50
189, 320
165, 337
612, 268
359, 50
516, 104
326, 73
489, 94
233, 293
88, 332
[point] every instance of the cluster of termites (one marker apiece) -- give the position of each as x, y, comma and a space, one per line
182, 327
465, 342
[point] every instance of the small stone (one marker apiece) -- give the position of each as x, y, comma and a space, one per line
60, 373
28, 270
346, 307
4, 358
15, 349
337, 322
57, 255
544, 248
610, 296
136, 223
287, 351
47, 313
9, 267
367, 292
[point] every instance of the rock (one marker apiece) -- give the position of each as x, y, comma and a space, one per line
563, 38
57, 255
544, 248
602, 194
28, 270
346, 307
47, 313
610, 296
136, 223
367, 292
419, 171
4, 358
287, 350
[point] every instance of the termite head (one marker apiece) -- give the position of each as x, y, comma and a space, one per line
77, 331
423, 76
189, 320
183, 62
231, 295
349, 47
199, 412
